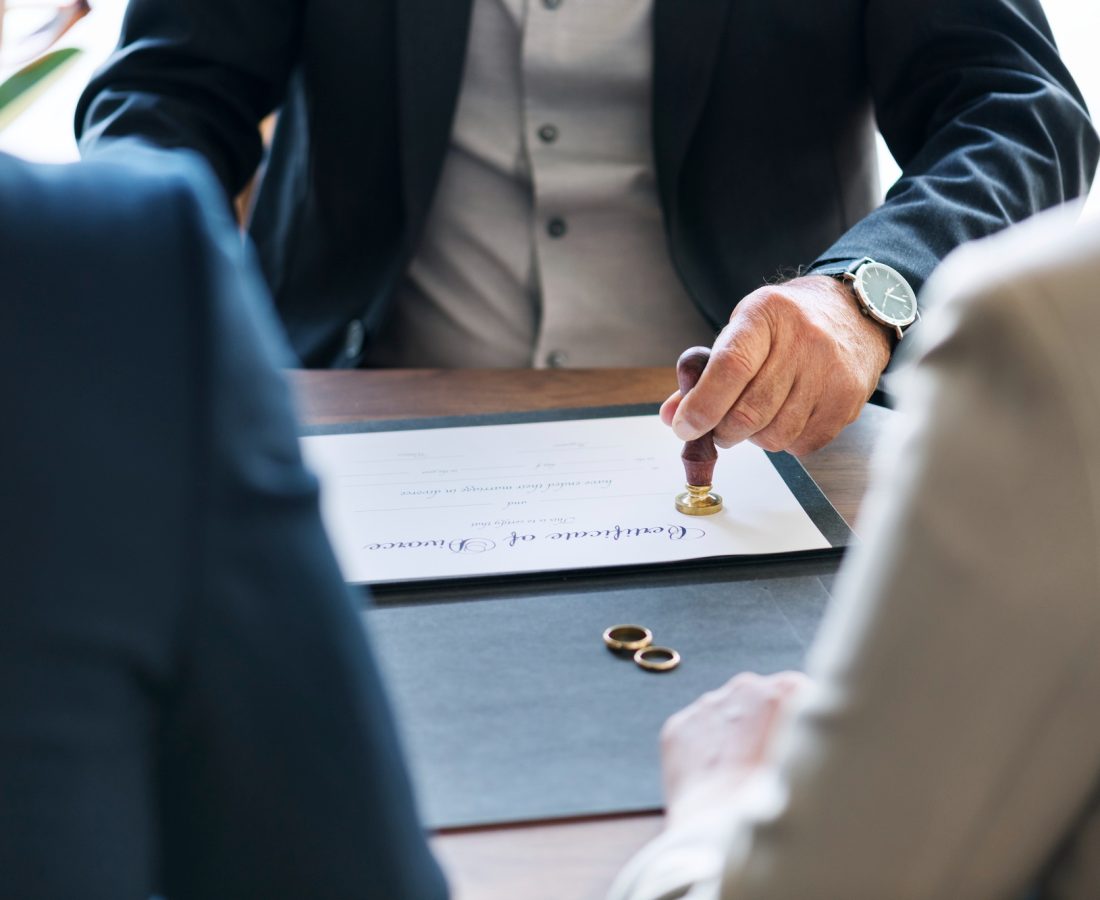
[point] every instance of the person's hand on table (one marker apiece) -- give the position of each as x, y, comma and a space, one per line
793, 367
709, 748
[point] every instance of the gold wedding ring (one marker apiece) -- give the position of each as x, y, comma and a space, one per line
657, 659
627, 638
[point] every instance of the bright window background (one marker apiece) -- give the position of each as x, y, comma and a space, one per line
1076, 26
45, 131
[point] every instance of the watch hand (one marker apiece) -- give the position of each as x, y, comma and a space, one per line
890, 295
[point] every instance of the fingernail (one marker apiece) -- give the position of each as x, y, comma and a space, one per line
683, 430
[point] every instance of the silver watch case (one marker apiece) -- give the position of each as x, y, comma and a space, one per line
861, 276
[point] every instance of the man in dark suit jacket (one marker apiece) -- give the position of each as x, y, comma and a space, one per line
187, 705
763, 117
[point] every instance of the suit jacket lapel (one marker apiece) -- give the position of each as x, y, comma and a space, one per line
431, 49
686, 38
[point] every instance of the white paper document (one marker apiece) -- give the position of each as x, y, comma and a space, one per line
539, 497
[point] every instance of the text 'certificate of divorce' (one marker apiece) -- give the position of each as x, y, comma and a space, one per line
537, 497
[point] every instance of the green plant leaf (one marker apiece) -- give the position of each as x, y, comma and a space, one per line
19, 91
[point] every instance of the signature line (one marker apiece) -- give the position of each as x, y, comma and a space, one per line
423, 509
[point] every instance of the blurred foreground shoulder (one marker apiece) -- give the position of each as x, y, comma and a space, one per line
1051, 261
132, 193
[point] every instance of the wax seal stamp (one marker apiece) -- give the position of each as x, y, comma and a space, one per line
700, 454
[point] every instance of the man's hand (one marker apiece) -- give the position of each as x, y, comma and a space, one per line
794, 366
709, 748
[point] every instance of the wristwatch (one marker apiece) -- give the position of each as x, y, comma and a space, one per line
883, 294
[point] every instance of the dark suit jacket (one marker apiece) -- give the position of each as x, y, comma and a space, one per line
187, 705
764, 114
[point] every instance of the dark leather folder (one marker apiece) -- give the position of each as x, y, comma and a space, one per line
511, 706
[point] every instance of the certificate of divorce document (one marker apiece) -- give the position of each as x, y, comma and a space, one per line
470, 501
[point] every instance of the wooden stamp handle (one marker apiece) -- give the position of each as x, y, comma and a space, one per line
700, 454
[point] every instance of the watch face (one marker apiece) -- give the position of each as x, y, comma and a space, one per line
887, 293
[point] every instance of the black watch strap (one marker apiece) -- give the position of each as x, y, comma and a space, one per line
841, 268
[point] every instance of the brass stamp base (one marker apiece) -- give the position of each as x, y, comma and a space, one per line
698, 500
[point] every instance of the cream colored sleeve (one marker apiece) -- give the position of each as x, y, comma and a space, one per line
952, 737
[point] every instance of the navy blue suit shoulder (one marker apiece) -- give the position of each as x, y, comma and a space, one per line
188, 705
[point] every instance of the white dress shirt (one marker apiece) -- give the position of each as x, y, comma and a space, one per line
545, 242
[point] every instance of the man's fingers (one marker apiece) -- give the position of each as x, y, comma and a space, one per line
737, 356
767, 398
790, 682
808, 333
787, 423
669, 407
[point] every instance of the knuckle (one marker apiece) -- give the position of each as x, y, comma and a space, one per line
711, 698
672, 727
850, 385
731, 688
734, 363
771, 441
744, 417
754, 302
807, 444
779, 435
780, 682
791, 680
776, 300
819, 340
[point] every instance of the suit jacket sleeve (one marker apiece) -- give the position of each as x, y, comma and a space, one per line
982, 116
287, 775
194, 74
950, 742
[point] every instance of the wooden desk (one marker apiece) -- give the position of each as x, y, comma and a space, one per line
575, 859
